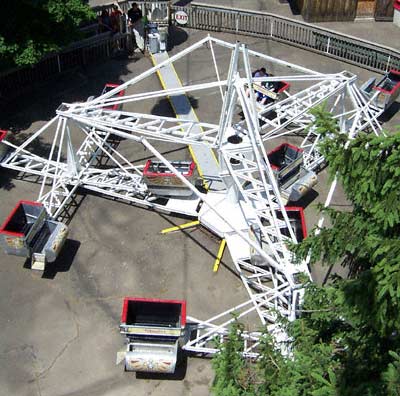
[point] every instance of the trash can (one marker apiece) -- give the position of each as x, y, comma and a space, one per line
154, 43
163, 38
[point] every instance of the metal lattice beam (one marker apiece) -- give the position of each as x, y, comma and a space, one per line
249, 213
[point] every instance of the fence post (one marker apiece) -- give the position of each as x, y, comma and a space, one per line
220, 17
328, 45
237, 22
272, 28
58, 63
388, 63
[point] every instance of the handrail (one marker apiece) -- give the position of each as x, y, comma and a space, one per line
315, 27
333, 44
90, 42
336, 45
16, 81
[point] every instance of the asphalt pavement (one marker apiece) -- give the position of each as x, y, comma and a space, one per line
60, 332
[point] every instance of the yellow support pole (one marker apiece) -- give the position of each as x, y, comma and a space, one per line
219, 255
180, 227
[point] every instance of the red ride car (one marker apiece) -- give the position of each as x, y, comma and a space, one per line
107, 88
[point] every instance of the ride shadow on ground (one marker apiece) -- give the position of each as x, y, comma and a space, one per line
63, 262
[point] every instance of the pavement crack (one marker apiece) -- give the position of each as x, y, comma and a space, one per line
37, 382
44, 372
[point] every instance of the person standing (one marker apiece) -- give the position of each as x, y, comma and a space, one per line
104, 22
134, 14
258, 73
136, 25
115, 17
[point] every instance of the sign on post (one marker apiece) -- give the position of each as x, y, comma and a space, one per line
181, 17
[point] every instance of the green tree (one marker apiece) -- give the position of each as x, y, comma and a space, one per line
391, 376
309, 371
32, 28
233, 374
347, 339
365, 240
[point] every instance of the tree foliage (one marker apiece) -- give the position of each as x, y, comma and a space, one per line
347, 340
366, 240
233, 373
32, 28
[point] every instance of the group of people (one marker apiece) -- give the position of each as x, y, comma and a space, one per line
111, 21
116, 21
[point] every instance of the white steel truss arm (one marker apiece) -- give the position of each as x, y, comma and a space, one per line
129, 125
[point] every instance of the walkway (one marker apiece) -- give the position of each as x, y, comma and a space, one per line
385, 33
205, 158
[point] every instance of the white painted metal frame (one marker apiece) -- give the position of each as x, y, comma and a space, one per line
244, 168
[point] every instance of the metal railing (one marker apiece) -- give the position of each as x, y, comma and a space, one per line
123, 5
92, 50
215, 19
336, 45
